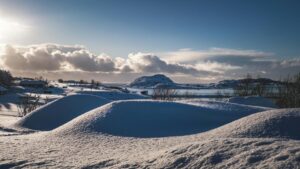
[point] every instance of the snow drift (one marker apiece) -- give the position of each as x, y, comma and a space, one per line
60, 111
253, 100
150, 119
277, 123
114, 95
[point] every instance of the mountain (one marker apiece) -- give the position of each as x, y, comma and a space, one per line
159, 80
152, 81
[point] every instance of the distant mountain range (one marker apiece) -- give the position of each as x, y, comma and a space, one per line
159, 80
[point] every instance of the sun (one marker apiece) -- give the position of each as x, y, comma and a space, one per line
10, 28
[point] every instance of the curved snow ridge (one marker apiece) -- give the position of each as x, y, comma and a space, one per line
145, 118
225, 106
114, 95
277, 123
253, 100
60, 111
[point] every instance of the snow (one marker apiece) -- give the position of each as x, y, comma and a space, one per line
113, 95
145, 118
60, 111
100, 138
277, 123
253, 100
2, 89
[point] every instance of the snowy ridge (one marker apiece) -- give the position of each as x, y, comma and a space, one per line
114, 95
145, 118
60, 111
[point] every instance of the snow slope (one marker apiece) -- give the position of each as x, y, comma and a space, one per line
145, 118
60, 111
277, 123
113, 94
253, 100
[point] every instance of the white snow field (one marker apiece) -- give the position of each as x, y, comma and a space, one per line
253, 100
154, 134
60, 111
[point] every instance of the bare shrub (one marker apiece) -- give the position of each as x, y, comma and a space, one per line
289, 92
220, 95
251, 87
244, 87
27, 104
260, 88
163, 93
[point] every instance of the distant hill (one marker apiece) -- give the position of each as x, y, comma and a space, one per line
234, 83
162, 80
152, 81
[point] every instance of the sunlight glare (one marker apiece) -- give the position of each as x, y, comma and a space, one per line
10, 28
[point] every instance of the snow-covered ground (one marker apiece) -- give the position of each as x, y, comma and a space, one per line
83, 143
111, 129
253, 100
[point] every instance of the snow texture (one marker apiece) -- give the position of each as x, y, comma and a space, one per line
267, 139
277, 123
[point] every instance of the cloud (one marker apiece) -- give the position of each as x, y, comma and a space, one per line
185, 64
212, 54
150, 63
54, 57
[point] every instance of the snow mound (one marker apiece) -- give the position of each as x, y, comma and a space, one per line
145, 118
277, 123
254, 101
61, 111
114, 95
151, 81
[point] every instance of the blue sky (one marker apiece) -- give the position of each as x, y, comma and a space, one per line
118, 28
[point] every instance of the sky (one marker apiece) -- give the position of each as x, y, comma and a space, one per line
116, 41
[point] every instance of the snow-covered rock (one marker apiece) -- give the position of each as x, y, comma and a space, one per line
60, 111
151, 81
253, 100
